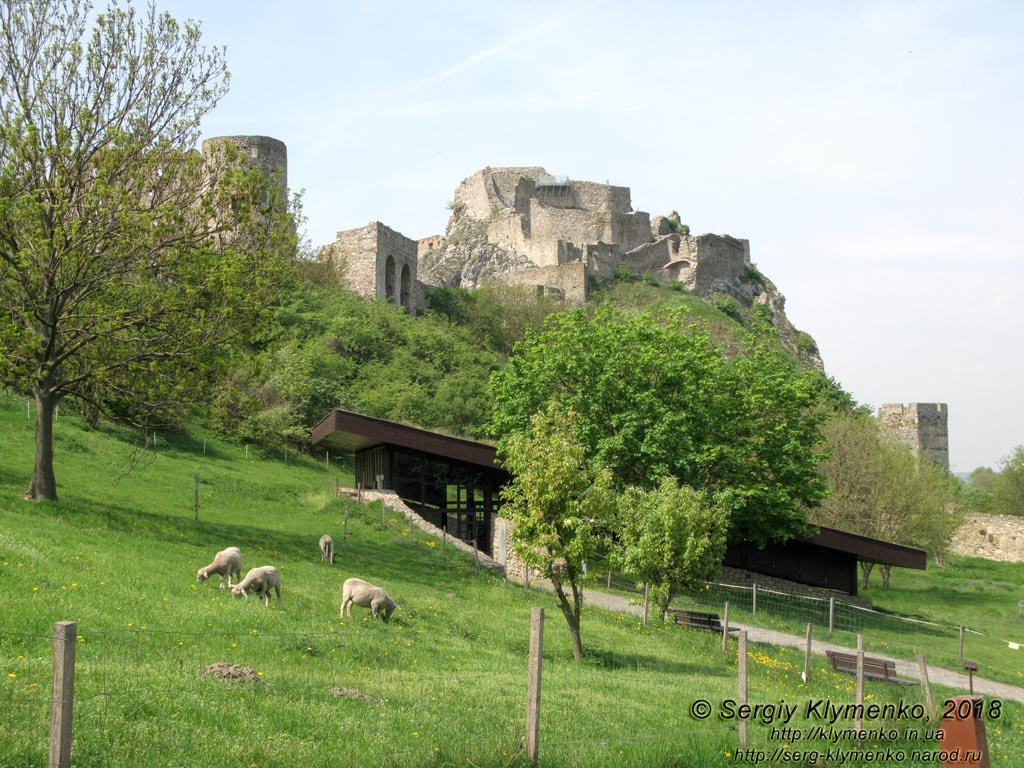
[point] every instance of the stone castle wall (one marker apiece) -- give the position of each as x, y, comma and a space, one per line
377, 261
993, 537
922, 426
566, 281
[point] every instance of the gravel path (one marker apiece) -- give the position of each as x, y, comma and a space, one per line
905, 669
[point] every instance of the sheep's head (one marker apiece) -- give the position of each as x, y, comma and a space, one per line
237, 590
389, 608
202, 575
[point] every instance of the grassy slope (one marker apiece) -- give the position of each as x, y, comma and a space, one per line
449, 673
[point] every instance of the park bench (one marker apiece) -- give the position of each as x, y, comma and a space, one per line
875, 668
696, 620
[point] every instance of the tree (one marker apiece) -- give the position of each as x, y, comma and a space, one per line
879, 488
655, 398
558, 504
129, 262
671, 537
1008, 486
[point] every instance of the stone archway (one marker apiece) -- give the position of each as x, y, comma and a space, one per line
389, 279
406, 299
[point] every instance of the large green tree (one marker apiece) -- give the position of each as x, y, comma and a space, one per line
129, 264
654, 397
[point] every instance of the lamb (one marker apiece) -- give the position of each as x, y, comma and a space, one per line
364, 594
259, 581
227, 562
326, 549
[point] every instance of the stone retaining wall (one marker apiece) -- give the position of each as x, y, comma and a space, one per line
993, 537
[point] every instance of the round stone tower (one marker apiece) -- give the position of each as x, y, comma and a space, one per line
267, 154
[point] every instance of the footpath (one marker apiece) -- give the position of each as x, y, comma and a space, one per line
905, 669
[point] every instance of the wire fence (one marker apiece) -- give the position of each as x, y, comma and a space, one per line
176, 698
839, 621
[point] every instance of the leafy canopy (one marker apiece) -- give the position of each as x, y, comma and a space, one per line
671, 537
654, 397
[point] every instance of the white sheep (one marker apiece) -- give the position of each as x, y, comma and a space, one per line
364, 594
227, 562
326, 549
259, 581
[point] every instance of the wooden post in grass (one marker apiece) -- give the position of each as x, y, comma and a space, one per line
647, 601
725, 633
62, 704
754, 600
859, 721
807, 654
742, 697
925, 684
831, 614
533, 690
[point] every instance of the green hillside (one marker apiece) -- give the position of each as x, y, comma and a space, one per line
443, 684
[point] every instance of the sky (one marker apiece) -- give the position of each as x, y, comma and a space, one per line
871, 152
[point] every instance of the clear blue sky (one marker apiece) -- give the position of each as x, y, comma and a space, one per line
870, 151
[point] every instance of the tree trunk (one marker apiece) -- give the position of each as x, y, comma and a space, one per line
44, 483
571, 611
865, 573
885, 571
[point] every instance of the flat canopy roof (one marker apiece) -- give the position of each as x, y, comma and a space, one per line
865, 548
348, 431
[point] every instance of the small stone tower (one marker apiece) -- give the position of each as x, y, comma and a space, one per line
922, 426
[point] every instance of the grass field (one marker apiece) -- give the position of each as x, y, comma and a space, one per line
444, 684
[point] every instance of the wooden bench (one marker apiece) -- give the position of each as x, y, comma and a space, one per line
709, 622
875, 668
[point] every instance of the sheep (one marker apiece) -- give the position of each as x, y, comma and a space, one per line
260, 581
364, 594
227, 562
326, 549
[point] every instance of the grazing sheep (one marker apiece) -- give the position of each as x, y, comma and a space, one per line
227, 562
259, 581
326, 549
364, 594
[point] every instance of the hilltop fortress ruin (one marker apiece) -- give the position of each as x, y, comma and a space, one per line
528, 227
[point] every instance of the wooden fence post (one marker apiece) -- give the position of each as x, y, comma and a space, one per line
807, 655
65, 637
533, 691
754, 605
831, 614
742, 684
925, 684
647, 601
859, 720
725, 633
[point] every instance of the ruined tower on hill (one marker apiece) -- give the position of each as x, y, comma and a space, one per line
922, 426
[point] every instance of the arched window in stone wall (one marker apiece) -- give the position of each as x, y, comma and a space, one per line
389, 279
406, 295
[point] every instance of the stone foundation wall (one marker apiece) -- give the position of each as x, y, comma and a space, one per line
568, 281
737, 577
993, 537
